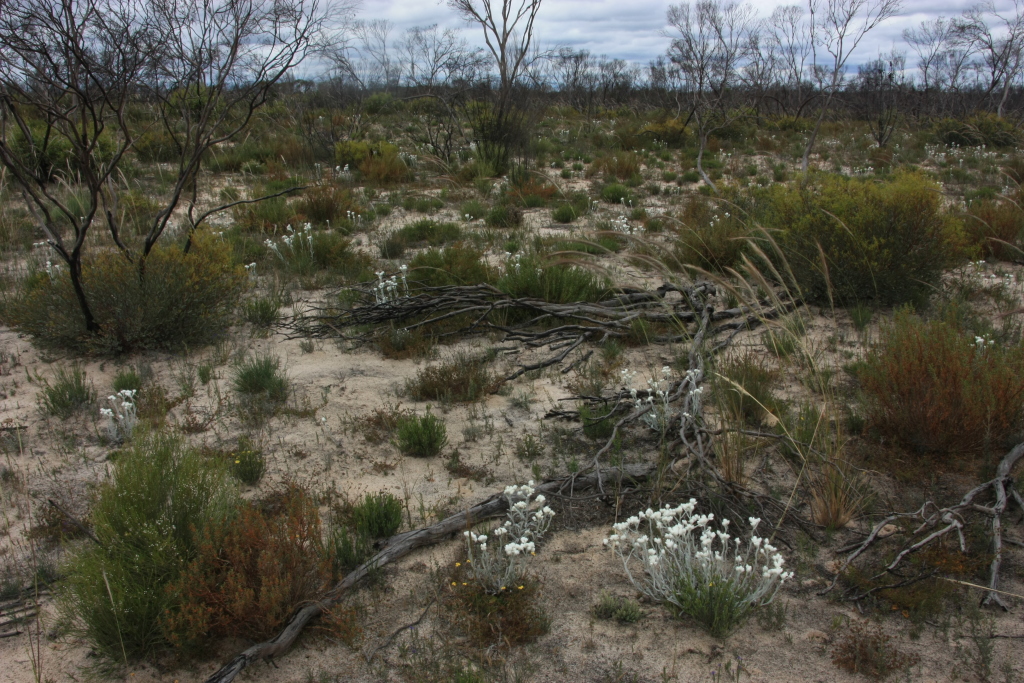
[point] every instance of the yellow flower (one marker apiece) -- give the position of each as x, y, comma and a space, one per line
453, 583
458, 564
520, 588
237, 462
463, 583
502, 588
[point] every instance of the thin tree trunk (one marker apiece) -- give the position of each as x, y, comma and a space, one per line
75, 271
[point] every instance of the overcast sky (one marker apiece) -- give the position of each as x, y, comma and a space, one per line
633, 29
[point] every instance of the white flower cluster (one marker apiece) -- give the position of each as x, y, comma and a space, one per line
621, 224
657, 398
342, 173
680, 551
513, 261
294, 241
121, 417
502, 563
387, 289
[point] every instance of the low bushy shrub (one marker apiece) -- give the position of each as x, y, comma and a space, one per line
455, 265
67, 394
709, 237
378, 515
933, 389
616, 193
461, 378
149, 520
260, 377
885, 242
423, 436
324, 204
557, 283
505, 216
181, 300
250, 571
996, 226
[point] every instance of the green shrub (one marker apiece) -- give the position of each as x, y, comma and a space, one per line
996, 226
348, 549
265, 216
454, 265
68, 394
461, 378
622, 610
710, 237
148, 519
262, 311
260, 376
744, 388
127, 379
616, 193
421, 437
379, 515
558, 283
505, 216
597, 424
691, 176
930, 388
981, 129
183, 300
885, 242
248, 464
474, 209
564, 213
155, 145
323, 204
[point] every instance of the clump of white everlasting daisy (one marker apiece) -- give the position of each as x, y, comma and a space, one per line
680, 559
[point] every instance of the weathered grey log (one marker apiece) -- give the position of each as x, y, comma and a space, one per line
401, 545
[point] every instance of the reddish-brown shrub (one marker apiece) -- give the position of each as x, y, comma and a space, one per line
869, 651
251, 571
933, 389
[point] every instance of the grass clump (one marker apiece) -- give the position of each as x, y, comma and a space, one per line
260, 376
149, 520
68, 393
884, 242
127, 379
933, 389
461, 378
422, 436
616, 193
505, 216
262, 312
622, 610
378, 515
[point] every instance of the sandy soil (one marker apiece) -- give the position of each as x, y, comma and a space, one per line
326, 451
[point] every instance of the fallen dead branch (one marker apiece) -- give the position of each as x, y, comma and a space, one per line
937, 522
402, 544
562, 327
